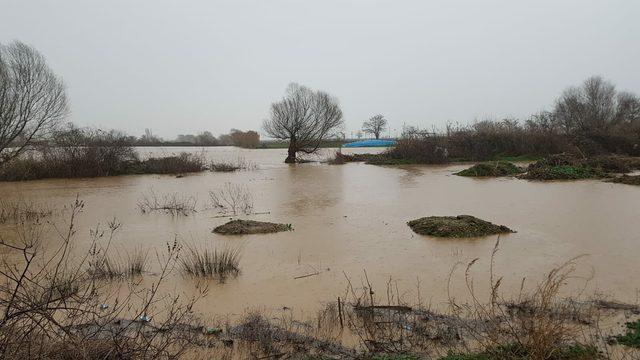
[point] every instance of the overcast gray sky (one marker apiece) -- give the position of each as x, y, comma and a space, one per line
186, 66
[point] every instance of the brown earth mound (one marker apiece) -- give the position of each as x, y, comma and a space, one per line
456, 226
243, 227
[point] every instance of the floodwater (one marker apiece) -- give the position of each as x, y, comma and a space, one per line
352, 218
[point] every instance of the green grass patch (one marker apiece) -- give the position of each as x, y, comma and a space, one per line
491, 169
632, 337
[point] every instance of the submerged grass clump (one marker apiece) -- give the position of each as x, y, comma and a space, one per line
209, 262
22, 211
496, 168
104, 267
456, 226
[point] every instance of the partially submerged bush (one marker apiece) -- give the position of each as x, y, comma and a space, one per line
456, 226
496, 168
209, 262
182, 163
232, 199
173, 203
230, 166
243, 227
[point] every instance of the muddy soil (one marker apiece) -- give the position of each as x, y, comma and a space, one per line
460, 226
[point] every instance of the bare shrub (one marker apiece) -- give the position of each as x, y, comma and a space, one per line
232, 199
420, 147
229, 166
173, 203
72, 153
51, 309
179, 164
211, 262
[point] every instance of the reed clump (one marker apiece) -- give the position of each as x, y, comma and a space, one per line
211, 262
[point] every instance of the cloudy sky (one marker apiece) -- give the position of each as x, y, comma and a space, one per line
186, 66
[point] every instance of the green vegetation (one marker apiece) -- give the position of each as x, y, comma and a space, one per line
627, 179
563, 172
394, 357
497, 168
243, 227
514, 352
632, 336
460, 226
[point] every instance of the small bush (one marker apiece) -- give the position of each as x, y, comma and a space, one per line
230, 166
562, 167
182, 163
232, 199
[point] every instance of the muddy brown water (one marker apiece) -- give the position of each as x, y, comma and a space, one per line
352, 218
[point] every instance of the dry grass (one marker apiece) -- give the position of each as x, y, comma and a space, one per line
133, 264
19, 211
211, 262
173, 203
52, 310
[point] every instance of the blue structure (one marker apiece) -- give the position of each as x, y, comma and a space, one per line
370, 143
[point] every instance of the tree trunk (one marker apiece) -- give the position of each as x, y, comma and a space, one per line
291, 157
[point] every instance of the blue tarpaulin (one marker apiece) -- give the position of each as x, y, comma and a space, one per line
370, 143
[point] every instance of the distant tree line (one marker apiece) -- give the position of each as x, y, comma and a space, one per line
591, 119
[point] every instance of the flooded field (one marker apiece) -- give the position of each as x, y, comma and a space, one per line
352, 218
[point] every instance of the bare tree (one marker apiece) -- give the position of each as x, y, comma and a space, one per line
304, 117
375, 125
32, 99
595, 106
